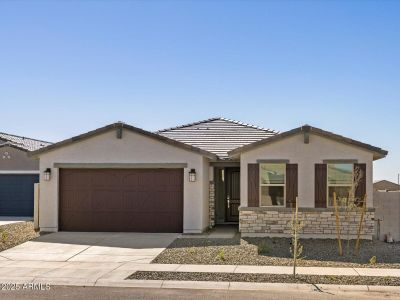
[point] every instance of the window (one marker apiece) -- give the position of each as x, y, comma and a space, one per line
272, 184
340, 181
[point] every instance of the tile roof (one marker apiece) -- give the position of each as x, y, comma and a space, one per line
217, 135
123, 126
21, 142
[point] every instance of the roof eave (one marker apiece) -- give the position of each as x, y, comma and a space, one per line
378, 152
271, 139
124, 126
9, 144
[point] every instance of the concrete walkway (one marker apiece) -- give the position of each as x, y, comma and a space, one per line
218, 232
114, 273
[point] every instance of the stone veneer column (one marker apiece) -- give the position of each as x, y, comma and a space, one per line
212, 204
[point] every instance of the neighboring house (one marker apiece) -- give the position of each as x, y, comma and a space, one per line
386, 185
191, 177
18, 174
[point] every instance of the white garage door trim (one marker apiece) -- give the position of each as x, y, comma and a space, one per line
22, 172
120, 165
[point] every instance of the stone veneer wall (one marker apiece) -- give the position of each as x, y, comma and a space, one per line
318, 222
212, 204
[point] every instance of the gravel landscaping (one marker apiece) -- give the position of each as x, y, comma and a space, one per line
239, 277
275, 251
15, 234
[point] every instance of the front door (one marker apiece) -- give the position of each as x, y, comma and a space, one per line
232, 194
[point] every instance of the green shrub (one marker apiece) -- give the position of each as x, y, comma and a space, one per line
372, 260
387, 280
221, 254
3, 236
333, 278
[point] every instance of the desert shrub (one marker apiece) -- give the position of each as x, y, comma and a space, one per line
221, 254
3, 236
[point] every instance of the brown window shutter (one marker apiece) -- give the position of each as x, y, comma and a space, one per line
360, 187
291, 184
320, 185
253, 185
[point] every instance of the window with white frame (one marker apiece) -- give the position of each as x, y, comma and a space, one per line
340, 181
272, 184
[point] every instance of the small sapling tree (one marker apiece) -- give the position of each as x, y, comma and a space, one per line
296, 248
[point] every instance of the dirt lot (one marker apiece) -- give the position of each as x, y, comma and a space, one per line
17, 233
276, 251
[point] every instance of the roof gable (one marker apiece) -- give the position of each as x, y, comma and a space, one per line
306, 129
122, 126
217, 135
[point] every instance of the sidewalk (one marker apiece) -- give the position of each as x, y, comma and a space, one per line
112, 274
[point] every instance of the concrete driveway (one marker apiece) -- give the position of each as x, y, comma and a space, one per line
91, 247
81, 258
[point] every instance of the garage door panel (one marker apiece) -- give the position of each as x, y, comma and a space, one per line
80, 179
106, 199
131, 180
75, 221
106, 178
146, 180
16, 194
141, 200
76, 200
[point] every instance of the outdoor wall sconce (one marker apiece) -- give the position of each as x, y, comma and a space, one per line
47, 174
192, 175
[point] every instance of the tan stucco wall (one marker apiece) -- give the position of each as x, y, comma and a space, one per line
306, 156
387, 210
132, 148
19, 160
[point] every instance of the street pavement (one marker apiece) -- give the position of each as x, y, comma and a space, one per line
100, 293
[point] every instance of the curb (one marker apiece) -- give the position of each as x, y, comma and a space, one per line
207, 285
255, 286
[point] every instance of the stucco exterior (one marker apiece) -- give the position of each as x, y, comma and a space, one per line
387, 211
18, 161
131, 148
306, 156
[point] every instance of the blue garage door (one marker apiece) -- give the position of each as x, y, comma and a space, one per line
16, 194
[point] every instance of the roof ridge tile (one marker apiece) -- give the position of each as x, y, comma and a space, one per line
214, 119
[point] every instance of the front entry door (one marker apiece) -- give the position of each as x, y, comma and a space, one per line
232, 194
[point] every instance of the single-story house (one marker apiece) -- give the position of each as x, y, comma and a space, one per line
195, 176
386, 185
18, 174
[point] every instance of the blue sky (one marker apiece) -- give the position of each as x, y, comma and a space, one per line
67, 67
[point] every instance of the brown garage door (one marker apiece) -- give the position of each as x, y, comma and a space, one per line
136, 200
